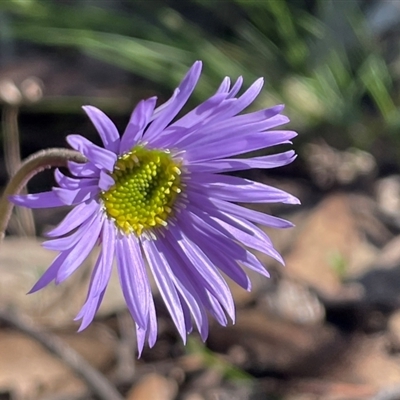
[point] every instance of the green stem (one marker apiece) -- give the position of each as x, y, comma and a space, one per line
34, 164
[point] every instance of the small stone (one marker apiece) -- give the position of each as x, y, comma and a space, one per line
155, 387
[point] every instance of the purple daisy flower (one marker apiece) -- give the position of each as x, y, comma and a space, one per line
156, 198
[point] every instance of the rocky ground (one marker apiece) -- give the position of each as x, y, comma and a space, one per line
325, 326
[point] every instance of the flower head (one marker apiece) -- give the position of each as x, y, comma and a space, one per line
157, 198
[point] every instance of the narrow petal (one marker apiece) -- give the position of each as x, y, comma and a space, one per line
86, 170
216, 206
72, 183
100, 277
244, 144
236, 87
230, 238
212, 278
105, 127
72, 197
105, 181
77, 254
217, 128
189, 298
186, 315
92, 303
75, 217
217, 248
183, 93
186, 130
240, 190
182, 267
139, 120
149, 334
200, 114
224, 86
236, 127
246, 98
133, 278
232, 164
162, 275
89, 310
253, 243
152, 325
252, 215
100, 157
203, 203
67, 242
37, 200
50, 274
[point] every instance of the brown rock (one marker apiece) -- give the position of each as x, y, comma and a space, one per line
23, 261
30, 371
155, 387
330, 231
274, 344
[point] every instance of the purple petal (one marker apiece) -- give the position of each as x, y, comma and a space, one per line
216, 206
105, 127
240, 190
101, 158
183, 93
152, 325
246, 98
77, 254
105, 181
228, 236
50, 274
162, 275
133, 278
236, 87
72, 183
217, 310
102, 274
221, 251
224, 86
186, 130
183, 267
86, 170
200, 114
240, 145
186, 315
151, 332
220, 129
139, 120
212, 278
189, 297
89, 310
253, 236
67, 242
37, 200
75, 217
232, 164
240, 126
251, 215
72, 197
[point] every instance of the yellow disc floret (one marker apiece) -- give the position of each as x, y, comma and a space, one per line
147, 183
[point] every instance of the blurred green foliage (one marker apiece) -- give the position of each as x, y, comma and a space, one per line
210, 360
322, 58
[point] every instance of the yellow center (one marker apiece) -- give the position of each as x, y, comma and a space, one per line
146, 185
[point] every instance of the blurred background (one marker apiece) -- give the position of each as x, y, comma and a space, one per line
325, 326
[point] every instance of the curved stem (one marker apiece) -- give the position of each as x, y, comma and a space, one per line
34, 164
12, 160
